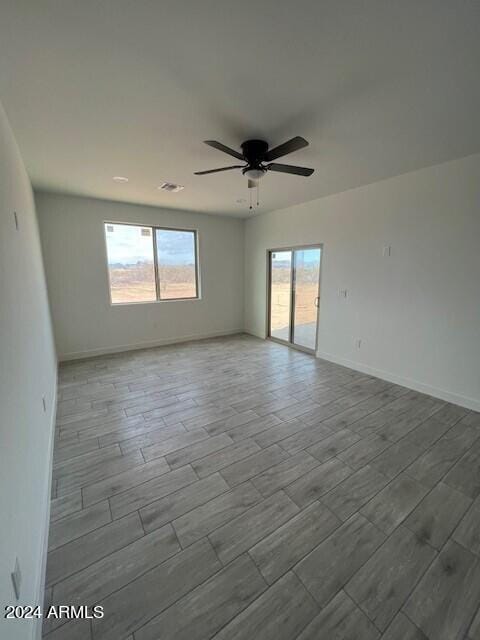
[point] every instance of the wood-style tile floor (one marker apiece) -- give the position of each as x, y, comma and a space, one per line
237, 489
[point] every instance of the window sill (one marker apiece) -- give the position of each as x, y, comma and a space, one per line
130, 304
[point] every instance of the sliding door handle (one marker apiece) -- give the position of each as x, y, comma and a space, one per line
317, 301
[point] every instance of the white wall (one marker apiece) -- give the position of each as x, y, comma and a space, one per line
27, 373
416, 312
75, 261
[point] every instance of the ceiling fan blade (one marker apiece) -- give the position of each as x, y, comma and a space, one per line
202, 173
288, 168
222, 147
287, 147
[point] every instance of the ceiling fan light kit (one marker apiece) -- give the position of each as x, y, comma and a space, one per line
254, 174
258, 158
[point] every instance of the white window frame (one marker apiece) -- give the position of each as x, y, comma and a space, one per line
153, 229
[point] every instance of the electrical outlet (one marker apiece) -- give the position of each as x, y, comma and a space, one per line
17, 579
44, 402
342, 293
387, 251
358, 343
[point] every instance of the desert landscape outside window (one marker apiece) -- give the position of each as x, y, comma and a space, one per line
176, 264
149, 264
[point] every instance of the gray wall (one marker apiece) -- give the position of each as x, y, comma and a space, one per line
27, 374
75, 261
416, 312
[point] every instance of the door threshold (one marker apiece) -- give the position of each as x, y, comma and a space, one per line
297, 347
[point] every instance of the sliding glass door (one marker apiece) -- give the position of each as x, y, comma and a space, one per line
294, 296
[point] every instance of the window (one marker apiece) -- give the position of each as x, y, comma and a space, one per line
146, 264
177, 271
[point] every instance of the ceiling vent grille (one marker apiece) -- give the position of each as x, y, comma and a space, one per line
170, 186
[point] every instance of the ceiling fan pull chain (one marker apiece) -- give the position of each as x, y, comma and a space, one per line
258, 193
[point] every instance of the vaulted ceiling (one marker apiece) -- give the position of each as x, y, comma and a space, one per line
95, 89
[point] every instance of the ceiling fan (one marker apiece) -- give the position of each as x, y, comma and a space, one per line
258, 158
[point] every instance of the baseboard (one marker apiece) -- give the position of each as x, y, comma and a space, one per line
91, 353
415, 385
40, 590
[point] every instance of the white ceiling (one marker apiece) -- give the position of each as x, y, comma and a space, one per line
97, 88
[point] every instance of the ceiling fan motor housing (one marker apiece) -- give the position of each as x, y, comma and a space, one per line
254, 151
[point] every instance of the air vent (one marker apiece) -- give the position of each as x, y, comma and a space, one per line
170, 186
